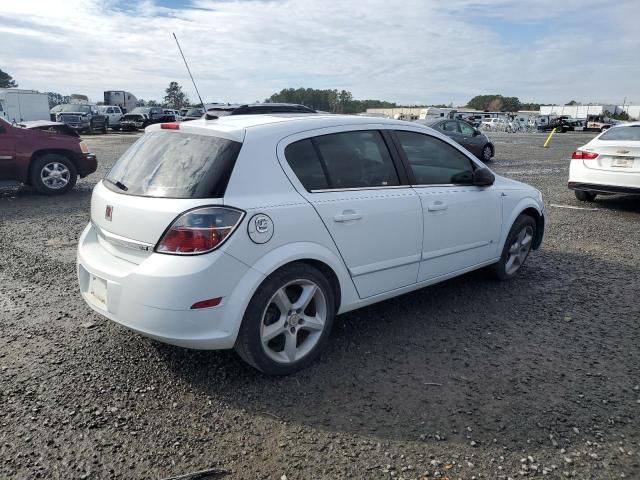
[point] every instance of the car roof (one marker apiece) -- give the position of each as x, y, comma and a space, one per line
235, 127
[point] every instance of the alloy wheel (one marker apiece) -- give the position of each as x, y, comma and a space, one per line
293, 321
519, 250
55, 175
486, 153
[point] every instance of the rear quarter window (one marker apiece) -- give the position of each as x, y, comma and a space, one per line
625, 134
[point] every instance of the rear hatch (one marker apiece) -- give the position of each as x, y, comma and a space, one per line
163, 174
618, 150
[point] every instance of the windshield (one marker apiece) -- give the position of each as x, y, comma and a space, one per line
175, 165
74, 108
622, 133
140, 110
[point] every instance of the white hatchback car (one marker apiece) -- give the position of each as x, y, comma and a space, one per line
608, 164
254, 231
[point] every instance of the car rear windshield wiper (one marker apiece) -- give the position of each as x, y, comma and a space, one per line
118, 184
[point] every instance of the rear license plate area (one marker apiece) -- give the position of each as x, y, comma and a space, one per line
98, 290
622, 162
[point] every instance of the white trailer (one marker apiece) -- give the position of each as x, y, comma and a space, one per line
23, 105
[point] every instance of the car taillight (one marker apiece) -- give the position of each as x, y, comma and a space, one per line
583, 155
199, 231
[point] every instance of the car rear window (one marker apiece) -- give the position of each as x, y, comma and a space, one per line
622, 133
175, 165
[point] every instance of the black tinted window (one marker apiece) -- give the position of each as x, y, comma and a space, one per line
433, 161
305, 163
357, 160
175, 165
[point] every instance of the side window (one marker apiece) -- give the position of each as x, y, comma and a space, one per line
305, 163
466, 129
434, 162
450, 127
357, 159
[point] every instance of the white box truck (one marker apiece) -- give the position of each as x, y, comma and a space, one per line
23, 105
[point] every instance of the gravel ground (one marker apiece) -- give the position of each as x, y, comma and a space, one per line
468, 379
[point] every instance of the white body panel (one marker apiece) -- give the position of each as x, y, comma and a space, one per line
393, 243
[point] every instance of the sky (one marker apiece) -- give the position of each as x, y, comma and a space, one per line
405, 51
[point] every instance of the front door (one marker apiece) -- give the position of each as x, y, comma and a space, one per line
375, 221
7, 152
462, 222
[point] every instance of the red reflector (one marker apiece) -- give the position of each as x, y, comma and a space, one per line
582, 155
169, 126
212, 302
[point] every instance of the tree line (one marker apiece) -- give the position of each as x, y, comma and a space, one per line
327, 100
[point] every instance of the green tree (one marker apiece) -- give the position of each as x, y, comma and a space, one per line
175, 97
6, 80
572, 103
328, 100
495, 103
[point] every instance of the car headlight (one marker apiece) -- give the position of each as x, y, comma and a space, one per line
84, 148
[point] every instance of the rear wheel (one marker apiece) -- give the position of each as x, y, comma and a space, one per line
288, 320
516, 248
105, 126
585, 196
53, 174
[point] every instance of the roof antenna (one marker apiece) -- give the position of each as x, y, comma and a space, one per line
186, 65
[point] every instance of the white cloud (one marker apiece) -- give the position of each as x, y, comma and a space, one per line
406, 51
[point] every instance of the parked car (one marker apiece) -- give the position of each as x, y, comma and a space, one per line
608, 164
142, 117
469, 137
47, 155
270, 108
308, 217
175, 113
598, 123
82, 117
113, 114
193, 114
494, 123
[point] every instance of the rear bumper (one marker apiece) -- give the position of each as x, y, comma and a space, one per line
592, 187
154, 297
602, 181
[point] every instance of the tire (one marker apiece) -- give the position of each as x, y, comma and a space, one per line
296, 330
516, 246
487, 153
53, 174
105, 126
585, 196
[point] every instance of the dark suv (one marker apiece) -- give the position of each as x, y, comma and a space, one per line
81, 117
46, 155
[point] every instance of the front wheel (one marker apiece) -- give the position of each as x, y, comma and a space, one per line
585, 196
487, 153
105, 126
53, 174
516, 248
288, 320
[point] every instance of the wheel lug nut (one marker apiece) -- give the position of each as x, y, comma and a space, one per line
293, 329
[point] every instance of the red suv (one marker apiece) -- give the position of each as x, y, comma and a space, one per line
47, 155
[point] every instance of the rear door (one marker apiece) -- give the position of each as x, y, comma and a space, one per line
373, 216
7, 152
462, 222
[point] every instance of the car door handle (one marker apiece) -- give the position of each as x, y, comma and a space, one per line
437, 206
346, 216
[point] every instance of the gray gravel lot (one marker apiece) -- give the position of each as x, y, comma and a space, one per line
468, 379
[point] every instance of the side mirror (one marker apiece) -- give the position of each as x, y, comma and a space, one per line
476, 132
483, 177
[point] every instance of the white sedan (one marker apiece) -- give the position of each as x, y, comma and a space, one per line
608, 164
252, 232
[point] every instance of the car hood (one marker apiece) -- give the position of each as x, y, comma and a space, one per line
57, 127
